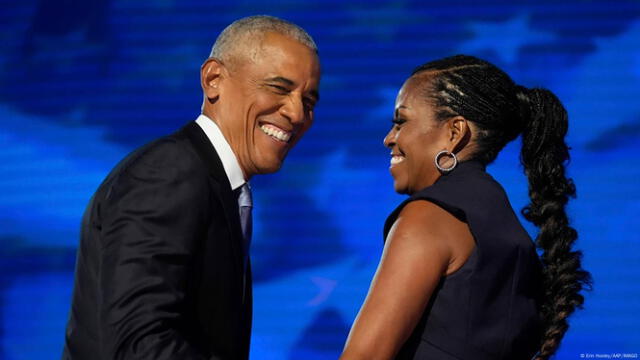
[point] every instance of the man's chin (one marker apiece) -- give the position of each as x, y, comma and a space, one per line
269, 167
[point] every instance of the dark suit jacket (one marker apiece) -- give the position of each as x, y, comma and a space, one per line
159, 272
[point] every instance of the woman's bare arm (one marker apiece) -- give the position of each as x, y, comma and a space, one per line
424, 244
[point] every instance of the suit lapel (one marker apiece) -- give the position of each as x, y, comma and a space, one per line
207, 153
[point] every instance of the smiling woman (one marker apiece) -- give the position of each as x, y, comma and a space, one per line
459, 276
417, 136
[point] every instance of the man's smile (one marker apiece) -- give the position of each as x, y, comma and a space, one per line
276, 132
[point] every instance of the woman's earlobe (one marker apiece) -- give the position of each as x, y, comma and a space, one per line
456, 128
460, 133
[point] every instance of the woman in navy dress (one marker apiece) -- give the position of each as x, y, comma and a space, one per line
459, 277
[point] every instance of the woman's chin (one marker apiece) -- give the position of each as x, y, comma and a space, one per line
400, 188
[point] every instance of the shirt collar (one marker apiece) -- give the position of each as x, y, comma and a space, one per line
220, 144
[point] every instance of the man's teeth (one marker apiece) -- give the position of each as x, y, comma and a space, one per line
396, 159
276, 133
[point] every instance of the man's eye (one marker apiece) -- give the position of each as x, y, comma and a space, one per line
279, 88
309, 103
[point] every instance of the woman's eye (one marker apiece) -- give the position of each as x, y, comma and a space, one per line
397, 123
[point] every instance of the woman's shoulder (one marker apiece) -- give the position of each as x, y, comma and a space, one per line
467, 189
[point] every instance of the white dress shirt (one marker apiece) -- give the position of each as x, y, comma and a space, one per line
228, 158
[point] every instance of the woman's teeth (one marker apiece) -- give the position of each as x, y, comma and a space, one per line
396, 159
276, 133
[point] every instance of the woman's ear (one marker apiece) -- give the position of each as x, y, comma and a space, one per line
459, 133
210, 74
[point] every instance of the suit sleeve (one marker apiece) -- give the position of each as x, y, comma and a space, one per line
151, 220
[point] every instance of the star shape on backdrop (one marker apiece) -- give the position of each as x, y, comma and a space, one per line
382, 114
380, 20
325, 288
505, 38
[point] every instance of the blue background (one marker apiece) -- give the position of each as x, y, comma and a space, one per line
82, 83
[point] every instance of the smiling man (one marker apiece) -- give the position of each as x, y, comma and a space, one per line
163, 270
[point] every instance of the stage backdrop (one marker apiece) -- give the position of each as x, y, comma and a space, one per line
83, 83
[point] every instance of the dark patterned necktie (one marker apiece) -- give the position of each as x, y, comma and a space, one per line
245, 204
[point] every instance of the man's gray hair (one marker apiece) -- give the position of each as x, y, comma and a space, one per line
255, 26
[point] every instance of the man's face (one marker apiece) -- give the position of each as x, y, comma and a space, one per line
265, 103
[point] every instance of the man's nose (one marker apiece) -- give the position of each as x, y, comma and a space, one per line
293, 109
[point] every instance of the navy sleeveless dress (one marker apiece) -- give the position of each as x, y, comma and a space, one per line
488, 309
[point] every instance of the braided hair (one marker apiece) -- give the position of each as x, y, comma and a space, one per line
501, 110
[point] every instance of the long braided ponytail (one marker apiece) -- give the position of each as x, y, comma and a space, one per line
501, 110
544, 154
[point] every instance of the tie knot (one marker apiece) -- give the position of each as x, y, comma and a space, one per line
244, 199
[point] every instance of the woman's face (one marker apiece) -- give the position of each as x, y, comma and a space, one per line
415, 138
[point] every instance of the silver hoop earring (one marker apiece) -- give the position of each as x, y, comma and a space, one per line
448, 153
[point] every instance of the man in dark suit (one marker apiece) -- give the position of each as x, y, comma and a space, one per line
162, 269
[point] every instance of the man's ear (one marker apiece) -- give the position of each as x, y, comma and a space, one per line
459, 133
210, 74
